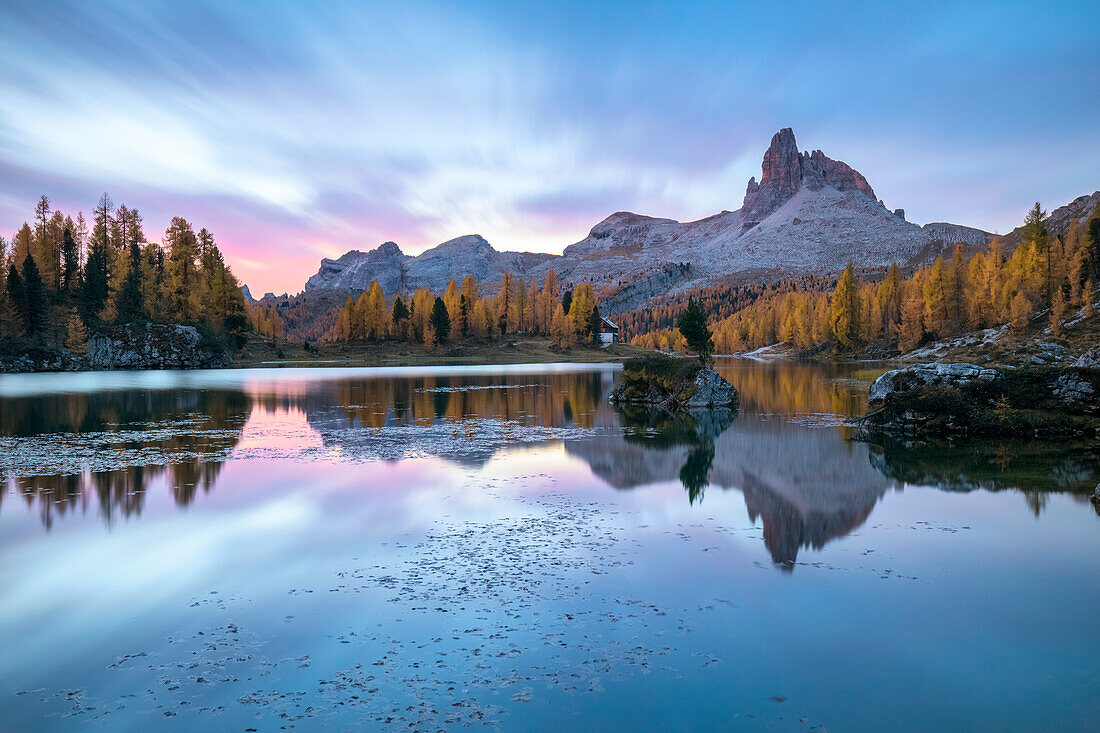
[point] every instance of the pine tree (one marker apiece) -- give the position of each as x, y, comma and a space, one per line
440, 321
17, 295
32, 307
693, 327
70, 262
129, 302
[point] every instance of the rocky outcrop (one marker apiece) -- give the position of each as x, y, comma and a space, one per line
950, 375
965, 400
153, 346
672, 384
711, 390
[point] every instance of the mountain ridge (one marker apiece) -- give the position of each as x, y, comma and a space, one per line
808, 213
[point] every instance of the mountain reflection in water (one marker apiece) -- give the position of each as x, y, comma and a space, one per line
786, 451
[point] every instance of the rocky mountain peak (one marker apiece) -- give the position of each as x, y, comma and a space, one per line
785, 171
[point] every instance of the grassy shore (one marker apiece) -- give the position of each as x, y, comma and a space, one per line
521, 350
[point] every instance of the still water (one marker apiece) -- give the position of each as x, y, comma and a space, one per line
435, 549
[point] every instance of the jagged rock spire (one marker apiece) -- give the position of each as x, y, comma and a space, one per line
785, 171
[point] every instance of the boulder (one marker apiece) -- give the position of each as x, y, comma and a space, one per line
711, 390
950, 375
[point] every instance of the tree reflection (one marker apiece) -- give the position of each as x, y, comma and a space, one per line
180, 437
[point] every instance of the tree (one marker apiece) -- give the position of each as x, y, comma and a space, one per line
911, 326
1058, 313
595, 325
1093, 246
566, 301
441, 322
580, 309
1019, 312
70, 262
129, 302
562, 334
844, 308
182, 272
76, 335
398, 316
16, 293
693, 327
31, 306
1037, 233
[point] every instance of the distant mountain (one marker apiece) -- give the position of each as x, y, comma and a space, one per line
396, 271
808, 213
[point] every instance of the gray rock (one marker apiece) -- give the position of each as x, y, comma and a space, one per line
1089, 360
712, 390
152, 346
1074, 390
900, 380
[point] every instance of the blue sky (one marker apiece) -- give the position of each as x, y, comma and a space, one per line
300, 130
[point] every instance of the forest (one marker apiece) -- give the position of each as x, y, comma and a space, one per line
1044, 273
463, 312
66, 278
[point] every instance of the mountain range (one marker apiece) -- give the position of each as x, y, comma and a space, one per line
808, 213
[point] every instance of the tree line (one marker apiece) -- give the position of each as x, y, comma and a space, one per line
1045, 272
465, 312
63, 277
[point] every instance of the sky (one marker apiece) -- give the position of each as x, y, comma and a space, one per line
295, 131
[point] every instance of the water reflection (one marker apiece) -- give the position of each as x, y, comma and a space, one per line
787, 451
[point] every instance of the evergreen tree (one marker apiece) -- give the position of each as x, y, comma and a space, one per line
129, 302
595, 325
32, 306
566, 301
70, 262
17, 294
440, 321
693, 327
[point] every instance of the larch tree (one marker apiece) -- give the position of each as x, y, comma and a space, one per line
844, 308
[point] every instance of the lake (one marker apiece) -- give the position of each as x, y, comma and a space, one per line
442, 548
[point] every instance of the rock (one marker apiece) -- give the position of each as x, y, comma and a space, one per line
1074, 390
901, 380
712, 390
673, 384
1095, 499
785, 171
153, 346
1089, 360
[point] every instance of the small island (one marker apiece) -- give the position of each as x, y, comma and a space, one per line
966, 400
